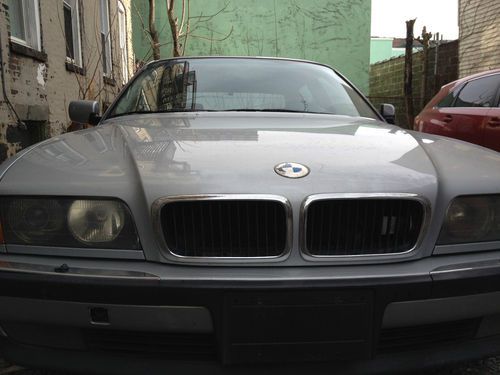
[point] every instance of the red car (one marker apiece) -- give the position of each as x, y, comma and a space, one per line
467, 109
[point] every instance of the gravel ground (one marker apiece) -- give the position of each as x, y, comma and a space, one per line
489, 366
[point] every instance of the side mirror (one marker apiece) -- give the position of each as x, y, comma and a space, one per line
84, 112
388, 112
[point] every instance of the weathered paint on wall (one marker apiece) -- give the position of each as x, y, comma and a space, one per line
39, 84
335, 32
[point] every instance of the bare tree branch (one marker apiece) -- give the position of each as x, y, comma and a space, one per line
141, 20
152, 31
188, 27
180, 32
174, 28
212, 38
183, 17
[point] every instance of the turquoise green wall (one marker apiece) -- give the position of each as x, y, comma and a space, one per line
380, 50
334, 32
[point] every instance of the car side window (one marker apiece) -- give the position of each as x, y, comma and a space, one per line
448, 100
481, 92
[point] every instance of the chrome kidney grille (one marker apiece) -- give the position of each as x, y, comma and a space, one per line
362, 226
225, 228
246, 226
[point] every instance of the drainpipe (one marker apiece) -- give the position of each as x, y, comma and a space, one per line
4, 91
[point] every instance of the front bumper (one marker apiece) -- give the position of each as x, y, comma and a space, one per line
108, 316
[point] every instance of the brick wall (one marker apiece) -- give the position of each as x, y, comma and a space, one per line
40, 85
387, 78
479, 36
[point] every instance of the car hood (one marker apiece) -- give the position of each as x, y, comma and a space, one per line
140, 159
209, 154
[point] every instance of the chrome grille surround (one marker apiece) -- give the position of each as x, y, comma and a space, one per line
157, 221
366, 257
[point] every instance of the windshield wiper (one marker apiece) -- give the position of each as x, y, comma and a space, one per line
164, 111
217, 110
128, 113
261, 110
273, 110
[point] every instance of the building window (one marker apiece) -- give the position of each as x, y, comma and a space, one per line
72, 32
122, 29
25, 23
105, 39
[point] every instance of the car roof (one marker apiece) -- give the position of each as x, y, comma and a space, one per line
241, 57
471, 77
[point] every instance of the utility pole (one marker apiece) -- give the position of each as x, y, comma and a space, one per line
425, 40
408, 78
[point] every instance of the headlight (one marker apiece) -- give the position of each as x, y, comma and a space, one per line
34, 220
472, 219
68, 222
96, 221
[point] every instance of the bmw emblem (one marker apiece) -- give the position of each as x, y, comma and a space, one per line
291, 170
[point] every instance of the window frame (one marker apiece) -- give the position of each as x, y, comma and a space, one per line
455, 91
122, 33
106, 52
496, 102
32, 30
74, 6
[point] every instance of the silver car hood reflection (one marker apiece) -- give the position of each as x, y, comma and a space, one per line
193, 154
207, 153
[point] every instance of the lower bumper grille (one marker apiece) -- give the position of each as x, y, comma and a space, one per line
167, 345
225, 228
362, 226
421, 337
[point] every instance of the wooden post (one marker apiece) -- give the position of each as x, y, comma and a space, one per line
437, 79
425, 40
408, 81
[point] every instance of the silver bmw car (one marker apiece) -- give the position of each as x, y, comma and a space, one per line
244, 215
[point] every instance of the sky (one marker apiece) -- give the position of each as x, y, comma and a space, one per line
389, 16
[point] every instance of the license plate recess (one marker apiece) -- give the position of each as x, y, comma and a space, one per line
289, 326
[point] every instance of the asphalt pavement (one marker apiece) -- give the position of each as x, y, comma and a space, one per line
489, 366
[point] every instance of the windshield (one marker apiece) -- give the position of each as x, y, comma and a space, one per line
238, 84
